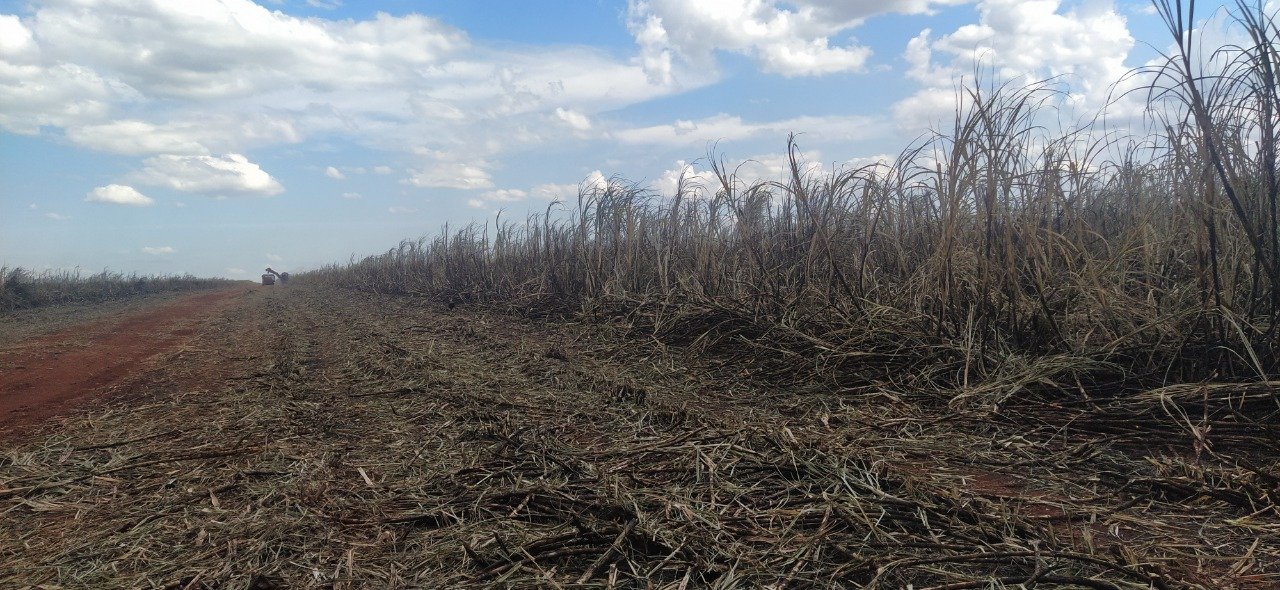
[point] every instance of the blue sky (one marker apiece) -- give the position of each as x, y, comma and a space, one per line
217, 138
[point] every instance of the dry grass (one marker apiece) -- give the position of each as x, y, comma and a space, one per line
24, 289
1001, 362
370, 441
994, 260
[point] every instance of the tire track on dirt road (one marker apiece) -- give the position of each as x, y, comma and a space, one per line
52, 374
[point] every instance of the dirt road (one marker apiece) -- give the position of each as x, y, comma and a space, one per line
54, 373
313, 438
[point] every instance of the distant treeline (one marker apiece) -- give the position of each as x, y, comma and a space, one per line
23, 289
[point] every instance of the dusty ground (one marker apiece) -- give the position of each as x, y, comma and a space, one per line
91, 355
308, 438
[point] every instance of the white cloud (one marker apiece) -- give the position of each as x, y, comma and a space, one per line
723, 127
1022, 41
505, 195
135, 137
449, 170
595, 181
56, 216
552, 191
656, 54
204, 133
881, 160
334, 173
236, 272
462, 176
577, 121
744, 172
792, 38
165, 48
119, 194
37, 89
275, 258
16, 40
221, 77
193, 135
918, 55
775, 167
352, 196
158, 250
210, 175
695, 181
184, 84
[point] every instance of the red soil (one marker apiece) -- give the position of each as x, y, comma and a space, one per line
52, 374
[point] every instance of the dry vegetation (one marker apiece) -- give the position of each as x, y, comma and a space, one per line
23, 289
1007, 360
371, 441
992, 262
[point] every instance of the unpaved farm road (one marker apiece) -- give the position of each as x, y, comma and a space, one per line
53, 373
303, 437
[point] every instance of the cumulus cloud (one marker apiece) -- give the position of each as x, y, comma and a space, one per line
1085, 45
202, 78
38, 90
382, 170
208, 175
158, 250
792, 38
56, 216
164, 48
684, 175
118, 194
334, 173
352, 196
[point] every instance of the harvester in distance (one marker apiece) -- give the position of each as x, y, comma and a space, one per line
269, 278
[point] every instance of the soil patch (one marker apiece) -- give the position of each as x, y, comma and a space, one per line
51, 374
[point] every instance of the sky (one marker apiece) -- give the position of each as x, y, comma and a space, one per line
219, 137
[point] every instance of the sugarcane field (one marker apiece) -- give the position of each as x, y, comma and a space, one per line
1035, 347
